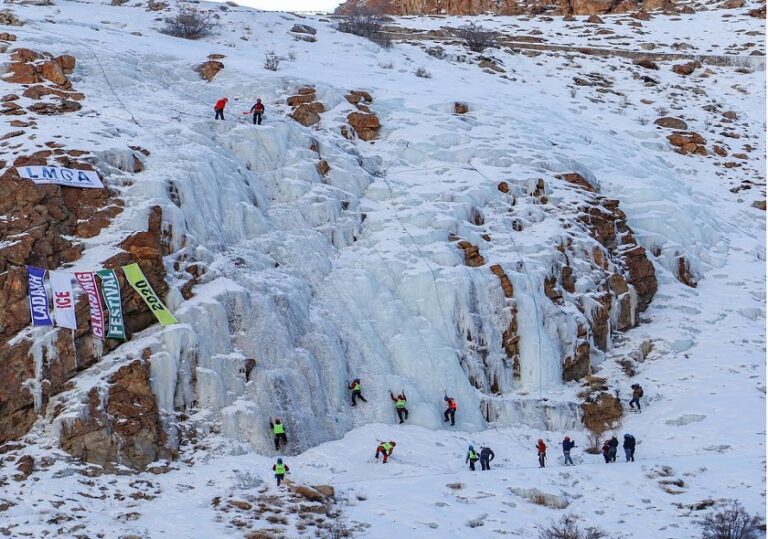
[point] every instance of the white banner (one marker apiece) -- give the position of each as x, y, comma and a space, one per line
63, 299
61, 176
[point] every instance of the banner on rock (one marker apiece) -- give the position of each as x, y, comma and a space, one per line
38, 297
69, 177
87, 281
110, 288
136, 278
63, 299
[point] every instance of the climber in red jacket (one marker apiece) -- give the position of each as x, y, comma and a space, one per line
258, 111
219, 108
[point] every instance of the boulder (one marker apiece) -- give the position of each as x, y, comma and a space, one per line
303, 29
646, 63
685, 274
296, 100
357, 96
305, 115
594, 19
209, 69
366, 125
671, 123
687, 68
688, 142
732, 4
460, 108
52, 71
323, 168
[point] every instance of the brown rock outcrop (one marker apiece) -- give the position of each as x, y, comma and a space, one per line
460, 108
305, 115
601, 413
366, 125
472, 256
686, 68
688, 142
209, 69
123, 428
499, 7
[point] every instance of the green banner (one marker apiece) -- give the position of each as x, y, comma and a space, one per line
110, 289
139, 283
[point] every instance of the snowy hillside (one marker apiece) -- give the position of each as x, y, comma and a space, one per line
530, 229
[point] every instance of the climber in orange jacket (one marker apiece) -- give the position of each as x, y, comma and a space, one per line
541, 450
219, 108
450, 411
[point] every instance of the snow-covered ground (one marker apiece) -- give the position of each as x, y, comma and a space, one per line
297, 279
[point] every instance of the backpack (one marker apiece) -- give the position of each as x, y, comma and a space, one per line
640, 394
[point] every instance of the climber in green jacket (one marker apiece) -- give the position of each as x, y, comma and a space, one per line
400, 402
278, 429
280, 470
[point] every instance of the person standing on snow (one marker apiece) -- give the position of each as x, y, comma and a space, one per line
400, 403
280, 469
450, 412
486, 456
637, 394
613, 446
219, 108
258, 111
357, 391
278, 429
606, 452
385, 448
472, 457
568, 444
541, 451
629, 447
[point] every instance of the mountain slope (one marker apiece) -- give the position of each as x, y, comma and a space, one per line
430, 260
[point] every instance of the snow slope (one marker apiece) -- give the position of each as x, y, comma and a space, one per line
299, 280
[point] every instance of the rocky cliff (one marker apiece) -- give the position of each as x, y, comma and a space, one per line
500, 7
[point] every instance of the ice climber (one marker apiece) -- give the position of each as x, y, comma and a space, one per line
486, 456
472, 457
219, 108
450, 412
278, 429
400, 402
637, 394
385, 448
606, 452
258, 111
280, 470
629, 447
357, 391
568, 444
541, 452
613, 445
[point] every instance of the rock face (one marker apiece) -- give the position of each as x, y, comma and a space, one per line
122, 425
601, 413
305, 115
500, 7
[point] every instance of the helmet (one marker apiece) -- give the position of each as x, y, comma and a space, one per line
277, 419
471, 448
627, 435
567, 438
279, 461
393, 444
